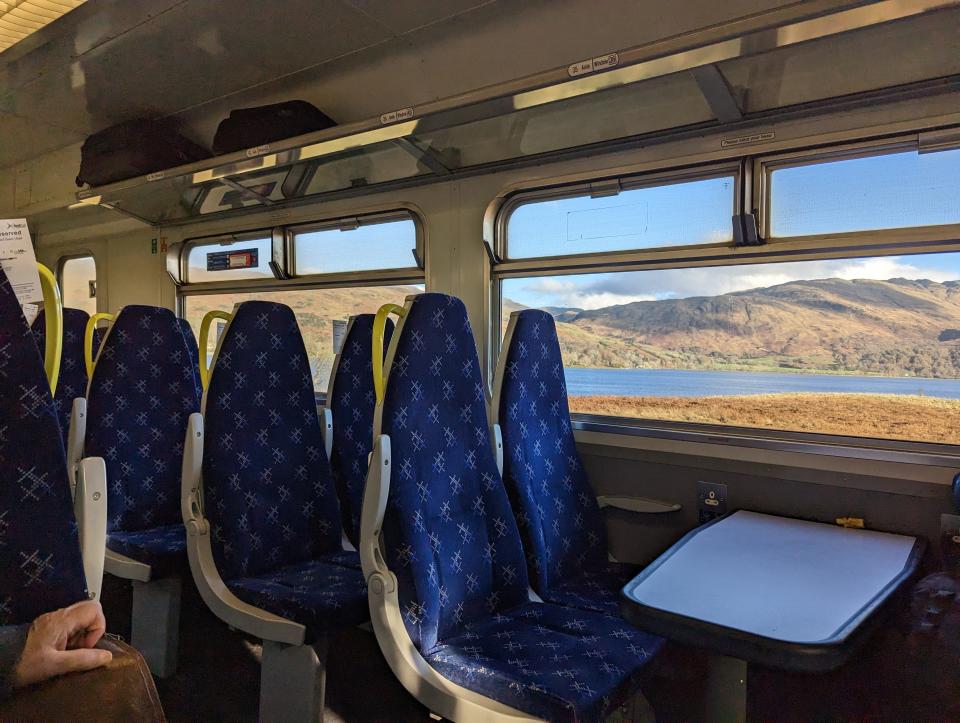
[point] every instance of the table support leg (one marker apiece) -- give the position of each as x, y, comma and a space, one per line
726, 690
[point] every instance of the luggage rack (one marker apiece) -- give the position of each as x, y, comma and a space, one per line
689, 83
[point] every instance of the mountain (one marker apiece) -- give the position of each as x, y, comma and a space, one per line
315, 309
895, 327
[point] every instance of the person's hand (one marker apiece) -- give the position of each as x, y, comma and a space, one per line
62, 642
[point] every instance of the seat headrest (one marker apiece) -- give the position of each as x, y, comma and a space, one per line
140, 397
72, 382
559, 518
449, 533
40, 564
269, 494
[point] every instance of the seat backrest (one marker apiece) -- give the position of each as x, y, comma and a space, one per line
139, 399
40, 564
193, 352
351, 399
555, 506
268, 491
449, 534
73, 370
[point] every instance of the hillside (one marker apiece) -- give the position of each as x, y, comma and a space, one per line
314, 310
894, 327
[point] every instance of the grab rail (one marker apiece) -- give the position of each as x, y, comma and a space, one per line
379, 330
88, 339
53, 320
205, 359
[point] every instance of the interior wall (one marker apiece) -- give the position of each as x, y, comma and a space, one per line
128, 272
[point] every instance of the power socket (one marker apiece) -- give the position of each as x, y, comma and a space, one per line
711, 501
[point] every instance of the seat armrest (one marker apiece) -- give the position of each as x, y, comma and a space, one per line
375, 493
214, 591
326, 429
496, 439
90, 509
126, 567
643, 505
75, 437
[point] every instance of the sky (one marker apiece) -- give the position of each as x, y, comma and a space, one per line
894, 190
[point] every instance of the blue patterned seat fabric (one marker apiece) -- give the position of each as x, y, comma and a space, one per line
140, 398
268, 491
562, 528
193, 352
352, 401
162, 548
40, 564
73, 369
452, 541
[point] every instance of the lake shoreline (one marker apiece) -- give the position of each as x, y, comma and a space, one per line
884, 416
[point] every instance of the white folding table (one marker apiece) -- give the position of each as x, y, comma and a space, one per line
771, 590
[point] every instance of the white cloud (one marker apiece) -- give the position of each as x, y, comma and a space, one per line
596, 291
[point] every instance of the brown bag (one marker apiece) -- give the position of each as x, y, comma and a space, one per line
120, 691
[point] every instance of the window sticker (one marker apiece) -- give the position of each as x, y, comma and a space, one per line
233, 259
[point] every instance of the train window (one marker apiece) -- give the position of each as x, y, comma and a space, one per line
623, 216
859, 346
230, 259
355, 245
78, 283
862, 346
316, 311
900, 189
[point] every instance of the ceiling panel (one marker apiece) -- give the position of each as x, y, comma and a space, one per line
402, 16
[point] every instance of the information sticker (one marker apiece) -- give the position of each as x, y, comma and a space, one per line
339, 332
18, 260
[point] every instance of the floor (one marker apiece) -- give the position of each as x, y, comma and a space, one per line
218, 678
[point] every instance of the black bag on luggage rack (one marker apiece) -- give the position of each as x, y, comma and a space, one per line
251, 127
134, 148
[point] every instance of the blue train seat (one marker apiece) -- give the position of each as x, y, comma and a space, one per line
349, 416
447, 578
73, 370
139, 399
193, 351
42, 564
563, 531
261, 509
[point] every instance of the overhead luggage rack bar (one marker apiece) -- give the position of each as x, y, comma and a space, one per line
547, 113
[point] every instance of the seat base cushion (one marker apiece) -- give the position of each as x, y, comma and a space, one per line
596, 590
552, 662
323, 594
164, 549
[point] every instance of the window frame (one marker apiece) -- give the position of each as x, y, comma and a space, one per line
752, 196
73, 256
351, 223
283, 242
285, 276
224, 238
602, 186
765, 165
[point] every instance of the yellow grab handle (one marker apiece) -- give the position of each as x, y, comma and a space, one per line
88, 339
53, 319
204, 333
379, 329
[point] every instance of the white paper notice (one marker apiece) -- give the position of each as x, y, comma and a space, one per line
30, 313
339, 332
18, 260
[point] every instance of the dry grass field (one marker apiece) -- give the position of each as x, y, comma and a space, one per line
864, 415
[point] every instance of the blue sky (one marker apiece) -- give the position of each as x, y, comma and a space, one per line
894, 190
